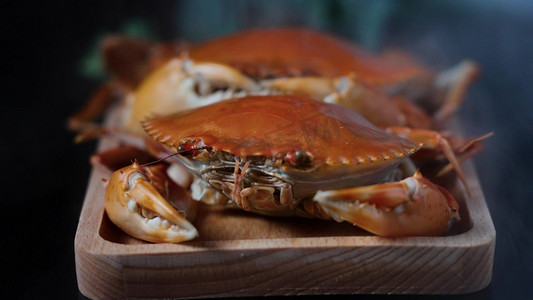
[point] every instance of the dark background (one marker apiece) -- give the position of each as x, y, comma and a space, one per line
49, 66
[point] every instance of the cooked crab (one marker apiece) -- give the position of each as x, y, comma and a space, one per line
261, 62
289, 155
295, 60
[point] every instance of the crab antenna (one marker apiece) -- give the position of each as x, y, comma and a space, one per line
173, 154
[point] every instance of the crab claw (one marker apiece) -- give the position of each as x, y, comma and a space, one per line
134, 203
183, 84
411, 207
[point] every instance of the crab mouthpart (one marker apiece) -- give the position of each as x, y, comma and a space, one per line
136, 206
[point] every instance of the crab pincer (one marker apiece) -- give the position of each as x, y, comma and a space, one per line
137, 200
394, 208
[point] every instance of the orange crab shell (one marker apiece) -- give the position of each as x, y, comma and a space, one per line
273, 126
305, 51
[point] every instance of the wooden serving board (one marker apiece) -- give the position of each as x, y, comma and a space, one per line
240, 254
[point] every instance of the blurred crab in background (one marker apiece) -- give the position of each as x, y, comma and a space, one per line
171, 77
383, 89
393, 92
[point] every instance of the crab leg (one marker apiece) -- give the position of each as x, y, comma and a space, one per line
413, 206
133, 202
95, 107
471, 148
431, 140
456, 80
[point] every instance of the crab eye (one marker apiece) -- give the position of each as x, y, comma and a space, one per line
192, 148
300, 159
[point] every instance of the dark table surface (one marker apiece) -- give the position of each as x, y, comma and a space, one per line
48, 70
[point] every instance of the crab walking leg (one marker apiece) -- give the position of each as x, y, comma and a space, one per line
469, 150
431, 140
95, 107
457, 80
411, 207
136, 206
